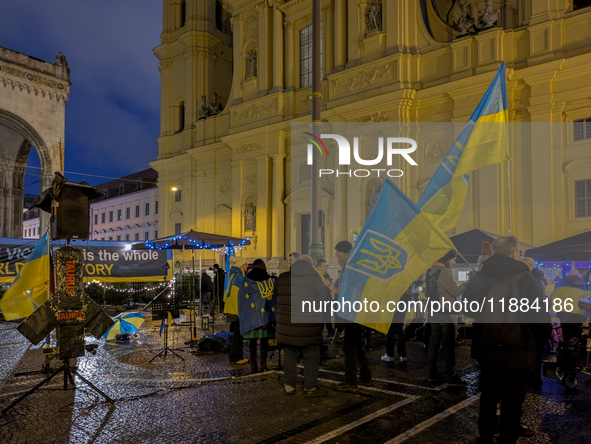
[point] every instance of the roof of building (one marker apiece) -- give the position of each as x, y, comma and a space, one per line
131, 183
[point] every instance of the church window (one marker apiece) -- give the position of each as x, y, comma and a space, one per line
579, 4
582, 129
583, 198
306, 56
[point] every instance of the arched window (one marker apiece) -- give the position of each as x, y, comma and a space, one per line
183, 12
179, 118
218, 15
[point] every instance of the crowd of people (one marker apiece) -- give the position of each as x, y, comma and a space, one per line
508, 349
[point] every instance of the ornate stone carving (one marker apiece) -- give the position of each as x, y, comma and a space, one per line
225, 186
250, 180
248, 147
36, 78
164, 64
378, 116
305, 104
366, 78
60, 59
435, 150
373, 16
255, 112
251, 27
490, 16
203, 110
215, 107
465, 22
250, 218
252, 64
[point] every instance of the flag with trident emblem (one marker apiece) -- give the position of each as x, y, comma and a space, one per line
256, 304
396, 245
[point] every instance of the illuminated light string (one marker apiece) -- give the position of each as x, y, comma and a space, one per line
172, 241
125, 290
550, 269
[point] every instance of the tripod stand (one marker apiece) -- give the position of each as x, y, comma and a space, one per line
68, 371
166, 349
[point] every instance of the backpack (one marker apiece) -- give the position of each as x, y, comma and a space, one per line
503, 329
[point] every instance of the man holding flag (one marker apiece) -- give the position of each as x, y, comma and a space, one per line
29, 290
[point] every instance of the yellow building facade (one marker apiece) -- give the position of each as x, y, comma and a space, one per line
382, 61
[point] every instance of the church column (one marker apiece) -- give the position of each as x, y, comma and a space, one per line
278, 215
327, 19
264, 68
289, 56
236, 59
340, 34
236, 198
353, 33
277, 48
263, 229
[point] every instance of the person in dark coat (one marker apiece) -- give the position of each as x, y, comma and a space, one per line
442, 286
353, 342
396, 332
304, 336
505, 369
220, 281
206, 287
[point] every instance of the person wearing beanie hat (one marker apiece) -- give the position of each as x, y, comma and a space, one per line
238, 267
441, 286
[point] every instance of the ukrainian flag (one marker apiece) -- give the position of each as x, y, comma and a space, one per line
482, 142
29, 288
396, 245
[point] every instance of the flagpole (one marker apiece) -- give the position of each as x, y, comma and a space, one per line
467, 263
48, 338
509, 164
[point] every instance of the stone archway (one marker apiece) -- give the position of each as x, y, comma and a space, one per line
33, 94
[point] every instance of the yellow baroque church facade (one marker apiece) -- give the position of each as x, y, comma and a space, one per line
235, 75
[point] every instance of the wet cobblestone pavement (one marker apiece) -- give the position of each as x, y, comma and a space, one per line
206, 400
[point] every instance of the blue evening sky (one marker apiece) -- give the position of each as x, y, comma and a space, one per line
113, 113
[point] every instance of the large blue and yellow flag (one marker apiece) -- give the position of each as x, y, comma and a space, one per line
29, 288
483, 141
256, 305
396, 245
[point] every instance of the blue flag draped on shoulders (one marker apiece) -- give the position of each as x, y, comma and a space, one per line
396, 245
256, 304
482, 142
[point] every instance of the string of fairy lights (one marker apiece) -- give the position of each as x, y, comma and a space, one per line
126, 290
558, 270
193, 244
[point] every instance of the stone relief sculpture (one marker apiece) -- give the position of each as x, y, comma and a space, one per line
203, 110
215, 107
373, 16
60, 59
250, 218
490, 16
464, 23
252, 64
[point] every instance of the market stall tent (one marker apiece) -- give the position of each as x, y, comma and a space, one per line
469, 244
